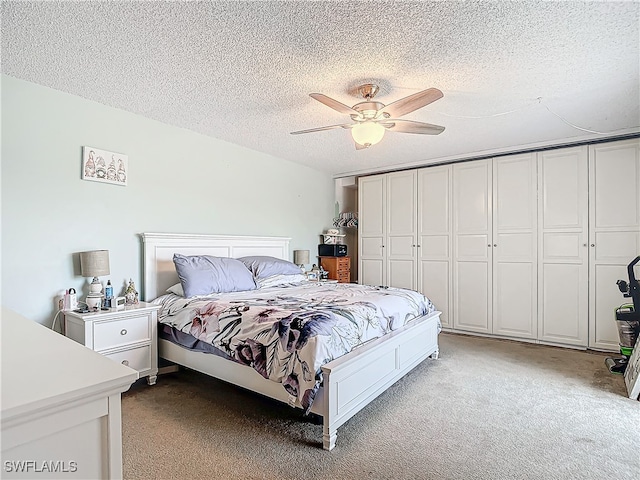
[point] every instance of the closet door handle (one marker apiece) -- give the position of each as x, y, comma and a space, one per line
593, 244
495, 244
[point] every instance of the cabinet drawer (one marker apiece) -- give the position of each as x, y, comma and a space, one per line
121, 332
138, 358
343, 277
343, 263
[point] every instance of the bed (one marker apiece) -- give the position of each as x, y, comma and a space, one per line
348, 382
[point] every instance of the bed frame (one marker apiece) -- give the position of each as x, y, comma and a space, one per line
349, 383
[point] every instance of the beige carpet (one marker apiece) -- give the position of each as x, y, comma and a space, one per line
487, 409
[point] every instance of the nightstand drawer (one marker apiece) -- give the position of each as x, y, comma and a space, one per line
117, 333
138, 358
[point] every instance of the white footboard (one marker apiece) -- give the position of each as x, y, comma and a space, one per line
351, 382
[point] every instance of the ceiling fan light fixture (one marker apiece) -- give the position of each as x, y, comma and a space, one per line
367, 133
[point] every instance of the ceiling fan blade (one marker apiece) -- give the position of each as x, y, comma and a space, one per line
336, 105
320, 129
409, 126
412, 102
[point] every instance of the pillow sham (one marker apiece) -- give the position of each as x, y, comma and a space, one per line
177, 289
265, 266
279, 280
204, 274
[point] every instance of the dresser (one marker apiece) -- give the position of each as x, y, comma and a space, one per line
127, 336
60, 406
339, 268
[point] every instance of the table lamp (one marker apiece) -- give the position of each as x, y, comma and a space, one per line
93, 264
300, 258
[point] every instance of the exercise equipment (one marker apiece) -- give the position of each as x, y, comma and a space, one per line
627, 319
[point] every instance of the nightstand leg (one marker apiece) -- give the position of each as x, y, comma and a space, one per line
151, 379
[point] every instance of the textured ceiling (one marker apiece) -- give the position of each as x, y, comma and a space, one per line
242, 71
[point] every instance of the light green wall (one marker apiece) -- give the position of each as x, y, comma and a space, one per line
179, 182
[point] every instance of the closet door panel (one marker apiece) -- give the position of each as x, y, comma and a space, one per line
401, 274
371, 272
472, 268
614, 218
561, 320
472, 307
604, 333
563, 251
371, 230
372, 204
514, 246
401, 230
514, 309
434, 238
435, 246
435, 283
372, 247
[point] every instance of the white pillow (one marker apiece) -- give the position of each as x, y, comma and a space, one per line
177, 289
263, 266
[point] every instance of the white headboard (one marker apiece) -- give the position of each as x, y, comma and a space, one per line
159, 270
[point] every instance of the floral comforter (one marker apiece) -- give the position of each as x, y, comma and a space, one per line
287, 333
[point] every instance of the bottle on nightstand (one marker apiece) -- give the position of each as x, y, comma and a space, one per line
108, 294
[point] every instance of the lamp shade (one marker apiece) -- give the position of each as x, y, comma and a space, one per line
94, 263
300, 257
367, 133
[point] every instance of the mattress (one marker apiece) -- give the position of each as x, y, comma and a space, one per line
287, 333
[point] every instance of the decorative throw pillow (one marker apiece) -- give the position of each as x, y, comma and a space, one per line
265, 266
204, 274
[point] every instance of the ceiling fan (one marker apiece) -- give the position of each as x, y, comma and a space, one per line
371, 118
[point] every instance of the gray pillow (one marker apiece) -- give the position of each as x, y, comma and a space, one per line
203, 274
264, 266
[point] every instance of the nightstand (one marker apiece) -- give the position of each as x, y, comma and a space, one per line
128, 336
339, 268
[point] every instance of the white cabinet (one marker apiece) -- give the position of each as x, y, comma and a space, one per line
434, 238
514, 248
524, 246
401, 231
388, 229
614, 237
495, 259
127, 336
372, 201
562, 245
472, 259
60, 405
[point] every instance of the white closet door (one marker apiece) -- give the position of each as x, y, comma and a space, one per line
562, 243
614, 218
434, 238
515, 269
371, 229
472, 246
401, 230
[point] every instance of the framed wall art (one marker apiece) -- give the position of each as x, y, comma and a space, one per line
103, 166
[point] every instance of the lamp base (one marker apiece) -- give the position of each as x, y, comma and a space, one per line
94, 302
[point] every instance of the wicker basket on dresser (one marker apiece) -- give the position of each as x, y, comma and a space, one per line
339, 268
